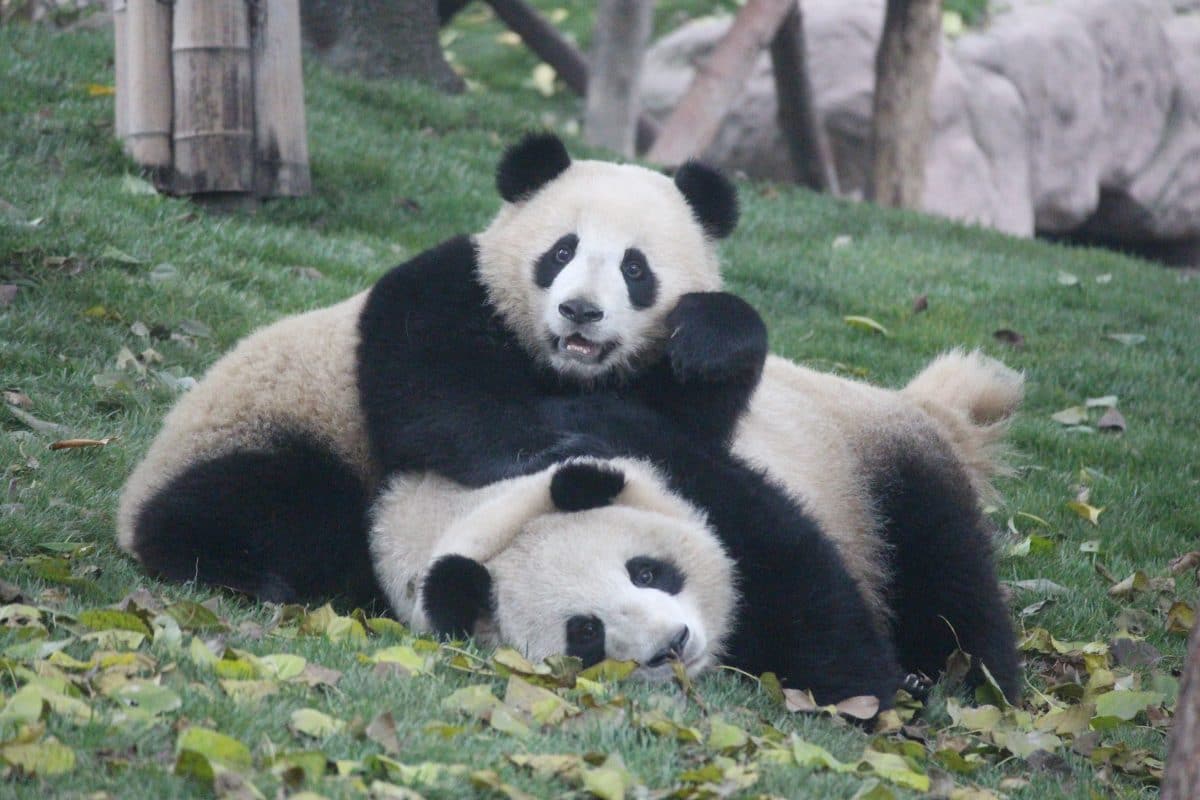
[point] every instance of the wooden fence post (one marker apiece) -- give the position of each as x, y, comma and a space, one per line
143, 66
280, 138
210, 94
214, 97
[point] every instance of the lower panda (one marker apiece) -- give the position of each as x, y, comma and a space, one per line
574, 559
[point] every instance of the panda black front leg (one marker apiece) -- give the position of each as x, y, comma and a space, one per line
713, 361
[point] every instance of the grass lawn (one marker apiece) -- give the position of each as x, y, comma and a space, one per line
94, 701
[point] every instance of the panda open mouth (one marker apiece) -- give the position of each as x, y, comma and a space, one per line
580, 348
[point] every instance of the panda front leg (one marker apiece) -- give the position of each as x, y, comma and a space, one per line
713, 360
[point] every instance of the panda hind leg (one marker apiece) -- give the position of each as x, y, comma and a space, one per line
283, 524
943, 591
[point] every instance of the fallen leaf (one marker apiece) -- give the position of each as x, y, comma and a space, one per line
920, 303
314, 723
542, 78
609, 781
41, 759
508, 38
1067, 279
111, 253
69, 444
1185, 562
1134, 584
214, 747
307, 273
1089, 512
1181, 618
382, 731
132, 184
1112, 420
100, 90
1009, 337
1127, 339
1039, 585
1108, 401
1075, 415
35, 424
8, 293
866, 324
15, 397
843, 240
1132, 653
1125, 705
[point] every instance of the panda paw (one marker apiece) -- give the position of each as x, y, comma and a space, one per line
715, 336
917, 685
581, 485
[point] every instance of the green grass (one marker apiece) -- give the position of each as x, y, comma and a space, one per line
396, 169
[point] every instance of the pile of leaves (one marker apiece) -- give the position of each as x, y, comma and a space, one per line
128, 670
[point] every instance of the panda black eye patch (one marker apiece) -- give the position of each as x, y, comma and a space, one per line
640, 280
654, 573
551, 262
585, 639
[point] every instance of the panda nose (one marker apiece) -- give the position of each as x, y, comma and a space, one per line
674, 649
581, 311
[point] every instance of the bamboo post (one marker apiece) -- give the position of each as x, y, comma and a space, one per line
696, 119
143, 66
214, 97
280, 133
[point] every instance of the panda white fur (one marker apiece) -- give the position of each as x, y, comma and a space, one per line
842, 448
627, 570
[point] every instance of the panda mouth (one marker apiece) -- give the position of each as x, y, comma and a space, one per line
580, 348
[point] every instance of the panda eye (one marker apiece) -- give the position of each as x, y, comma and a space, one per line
654, 573
563, 255
633, 270
644, 576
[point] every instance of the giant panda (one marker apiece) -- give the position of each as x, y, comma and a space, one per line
584, 321
260, 476
896, 480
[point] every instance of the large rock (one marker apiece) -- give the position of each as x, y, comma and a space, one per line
1056, 117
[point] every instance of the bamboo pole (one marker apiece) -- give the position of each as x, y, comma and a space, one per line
695, 121
143, 66
214, 97
280, 133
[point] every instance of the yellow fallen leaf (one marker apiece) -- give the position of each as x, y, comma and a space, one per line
1089, 512
543, 79
68, 444
100, 90
866, 324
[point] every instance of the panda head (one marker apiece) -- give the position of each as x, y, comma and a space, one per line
617, 568
586, 258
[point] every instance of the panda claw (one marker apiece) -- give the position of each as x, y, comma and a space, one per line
917, 685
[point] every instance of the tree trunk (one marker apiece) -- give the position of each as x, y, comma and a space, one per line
1182, 779
803, 133
557, 50
905, 68
695, 121
619, 39
379, 39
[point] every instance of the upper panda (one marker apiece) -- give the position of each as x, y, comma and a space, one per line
259, 477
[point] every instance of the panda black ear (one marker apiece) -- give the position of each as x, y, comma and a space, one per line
579, 486
456, 593
712, 197
530, 164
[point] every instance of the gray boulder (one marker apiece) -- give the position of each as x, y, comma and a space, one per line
1058, 116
